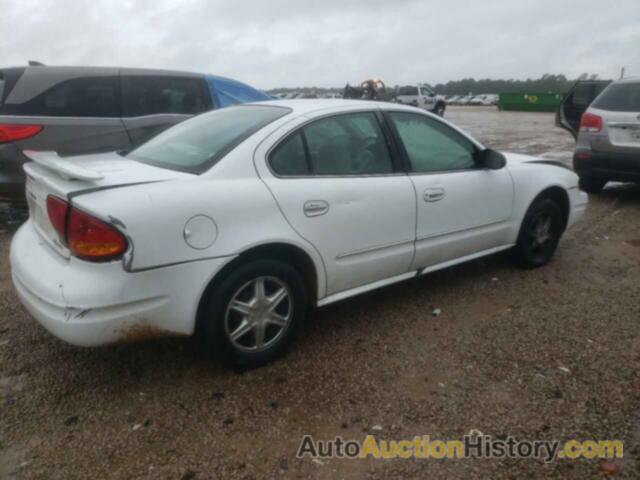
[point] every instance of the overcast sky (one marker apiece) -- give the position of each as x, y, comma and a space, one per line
288, 43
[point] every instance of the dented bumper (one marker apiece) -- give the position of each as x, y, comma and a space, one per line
89, 304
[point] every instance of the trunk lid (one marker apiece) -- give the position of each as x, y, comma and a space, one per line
49, 174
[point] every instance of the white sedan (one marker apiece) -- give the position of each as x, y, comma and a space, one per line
233, 224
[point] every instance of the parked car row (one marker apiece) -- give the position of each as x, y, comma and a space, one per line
77, 110
485, 99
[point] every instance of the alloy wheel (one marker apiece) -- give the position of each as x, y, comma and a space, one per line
258, 314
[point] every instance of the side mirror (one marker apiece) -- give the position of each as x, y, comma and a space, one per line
491, 159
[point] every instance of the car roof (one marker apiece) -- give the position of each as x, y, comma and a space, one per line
304, 106
87, 69
628, 80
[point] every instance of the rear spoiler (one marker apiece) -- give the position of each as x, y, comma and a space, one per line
65, 168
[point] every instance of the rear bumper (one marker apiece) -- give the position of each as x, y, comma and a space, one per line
621, 167
89, 304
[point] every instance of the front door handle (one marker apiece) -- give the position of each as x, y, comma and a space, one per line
434, 194
315, 208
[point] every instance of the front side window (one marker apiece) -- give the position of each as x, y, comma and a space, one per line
350, 144
426, 91
150, 95
198, 143
432, 146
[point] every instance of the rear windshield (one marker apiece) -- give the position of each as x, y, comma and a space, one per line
195, 145
619, 97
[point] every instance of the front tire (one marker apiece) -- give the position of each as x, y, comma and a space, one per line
439, 110
539, 234
254, 314
592, 184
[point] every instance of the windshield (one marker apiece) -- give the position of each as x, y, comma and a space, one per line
619, 97
195, 145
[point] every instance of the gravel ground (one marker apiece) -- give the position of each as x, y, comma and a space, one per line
490, 361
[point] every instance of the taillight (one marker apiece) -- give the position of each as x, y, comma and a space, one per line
590, 123
57, 210
86, 237
10, 132
93, 239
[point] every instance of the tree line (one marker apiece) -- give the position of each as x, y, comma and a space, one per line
546, 83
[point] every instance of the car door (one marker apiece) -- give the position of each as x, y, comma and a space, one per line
462, 208
576, 102
153, 102
337, 184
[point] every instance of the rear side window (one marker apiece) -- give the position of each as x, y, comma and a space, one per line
347, 144
408, 90
619, 97
150, 95
290, 158
76, 97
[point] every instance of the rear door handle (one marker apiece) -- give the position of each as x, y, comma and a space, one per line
315, 208
434, 194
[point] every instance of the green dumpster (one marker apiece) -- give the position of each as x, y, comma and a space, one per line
529, 101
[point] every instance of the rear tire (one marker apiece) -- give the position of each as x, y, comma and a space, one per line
592, 184
254, 314
539, 234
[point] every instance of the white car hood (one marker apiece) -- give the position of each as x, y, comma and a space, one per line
519, 158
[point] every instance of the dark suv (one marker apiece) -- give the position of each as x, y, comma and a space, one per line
78, 110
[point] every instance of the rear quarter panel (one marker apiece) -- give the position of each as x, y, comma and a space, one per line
153, 216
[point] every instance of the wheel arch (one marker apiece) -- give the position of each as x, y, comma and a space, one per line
286, 252
560, 196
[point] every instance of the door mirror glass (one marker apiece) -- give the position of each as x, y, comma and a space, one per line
491, 159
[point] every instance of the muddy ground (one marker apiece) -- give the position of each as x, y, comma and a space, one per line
545, 354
